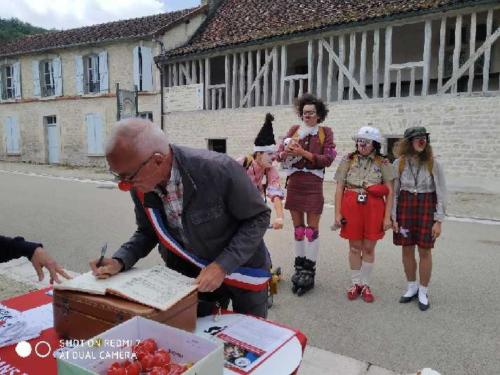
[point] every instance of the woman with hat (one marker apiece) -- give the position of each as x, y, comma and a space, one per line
313, 146
260, 169
418, 209
363, 201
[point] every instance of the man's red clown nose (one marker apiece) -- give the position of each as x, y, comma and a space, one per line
124, 186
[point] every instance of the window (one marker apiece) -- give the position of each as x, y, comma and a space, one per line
47, 84
464, 50
7, 79
217, 145
142, 68
91, 74
146, 115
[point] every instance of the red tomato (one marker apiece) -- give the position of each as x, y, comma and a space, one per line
159, 371
116, 371
161, 357
150, 345
133, 368
147, 362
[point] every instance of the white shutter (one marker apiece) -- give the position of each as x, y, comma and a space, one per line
35, 68
136, 67
103, 72
17, 79
16, 136
147, 69
79, 74
89, 120
7, 135
12, 134
98, 135
56, 67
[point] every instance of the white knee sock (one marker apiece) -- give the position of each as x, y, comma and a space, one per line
411, 289
366, 270
300, 248
312, 250
422, 295
356, 277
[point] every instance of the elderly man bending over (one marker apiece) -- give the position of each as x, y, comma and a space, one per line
200, 208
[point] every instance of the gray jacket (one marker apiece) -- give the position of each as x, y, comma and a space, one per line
224, 217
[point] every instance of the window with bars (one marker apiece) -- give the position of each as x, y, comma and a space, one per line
91, 74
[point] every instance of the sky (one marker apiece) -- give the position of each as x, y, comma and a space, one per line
67, 14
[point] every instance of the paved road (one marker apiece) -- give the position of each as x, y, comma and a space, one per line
460, 334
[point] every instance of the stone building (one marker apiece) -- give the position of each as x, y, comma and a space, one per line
57, 90
388, 63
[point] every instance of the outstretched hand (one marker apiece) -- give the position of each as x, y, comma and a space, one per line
41, 259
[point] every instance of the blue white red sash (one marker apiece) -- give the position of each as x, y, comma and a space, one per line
254, 279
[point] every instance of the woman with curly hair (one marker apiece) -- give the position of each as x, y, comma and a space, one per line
363, 200
418, 210
312, 149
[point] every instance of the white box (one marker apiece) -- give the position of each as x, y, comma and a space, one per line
96, 355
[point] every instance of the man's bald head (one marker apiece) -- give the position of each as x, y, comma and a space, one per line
136, 137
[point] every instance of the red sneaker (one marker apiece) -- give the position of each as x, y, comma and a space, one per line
354, 291
366, 294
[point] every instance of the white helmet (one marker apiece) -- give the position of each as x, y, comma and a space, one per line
369, 132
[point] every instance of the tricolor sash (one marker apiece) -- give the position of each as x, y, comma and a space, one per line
254, 279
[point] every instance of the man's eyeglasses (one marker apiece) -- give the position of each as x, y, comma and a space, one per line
130, 178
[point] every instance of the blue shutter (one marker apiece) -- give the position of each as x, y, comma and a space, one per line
89, 120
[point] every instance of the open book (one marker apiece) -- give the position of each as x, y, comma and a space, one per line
158, 287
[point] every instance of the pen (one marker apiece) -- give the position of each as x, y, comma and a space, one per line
103, 252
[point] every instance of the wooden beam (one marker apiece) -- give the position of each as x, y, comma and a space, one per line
235, 80
176, 76
227, 68
213, 93
398, 84
319, 71
207, 83
250, 100
442, 45
310, 67
202, 80
220, 104
283, 74
330, 74
169, 80
274, 80
260, 73
388, 61
301, 87
427, 57
472, 49
412, 82
487, 44
242, 77
413, 64
257, 86
487, 52
218, 86
375, 59
362, 67
343, 69
352, 62
457, 49
296, 77
266, 81
340, 88
194, 78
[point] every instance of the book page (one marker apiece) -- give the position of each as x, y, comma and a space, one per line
159, 287
85, 282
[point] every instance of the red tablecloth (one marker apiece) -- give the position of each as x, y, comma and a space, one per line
10, 362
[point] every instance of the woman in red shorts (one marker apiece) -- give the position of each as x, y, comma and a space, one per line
418, 210
363, 201
311, 148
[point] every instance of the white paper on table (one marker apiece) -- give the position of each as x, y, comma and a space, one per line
250, 341
15, 328
41, 316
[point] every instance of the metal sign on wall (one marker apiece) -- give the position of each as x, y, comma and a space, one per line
183, 98
127, 103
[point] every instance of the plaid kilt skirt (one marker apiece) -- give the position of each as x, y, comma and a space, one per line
304, 192
415, 217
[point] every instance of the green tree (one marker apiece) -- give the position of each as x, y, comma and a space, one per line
14, 28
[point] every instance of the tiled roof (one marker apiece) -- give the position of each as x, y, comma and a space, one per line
125, 29
237, 21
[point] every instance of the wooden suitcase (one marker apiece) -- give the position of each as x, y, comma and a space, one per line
82, 316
